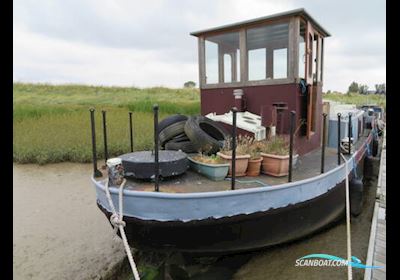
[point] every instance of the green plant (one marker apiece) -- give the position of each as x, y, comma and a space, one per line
255, 150
243, 145
277, 145
210, 159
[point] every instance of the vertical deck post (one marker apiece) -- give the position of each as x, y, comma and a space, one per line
350, 133
323, 142
105, 136
156, 161
292, 124
130, 130
338, 138
96, 172
233, 164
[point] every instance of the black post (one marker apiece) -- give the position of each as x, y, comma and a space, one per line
349, 134
130, 130
338, 138
96, 172
156, 161
233, 175
105, 137
292, 125
323, 143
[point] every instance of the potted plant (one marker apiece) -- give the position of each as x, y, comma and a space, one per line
254, 166
213, 166
242, 155
275, 154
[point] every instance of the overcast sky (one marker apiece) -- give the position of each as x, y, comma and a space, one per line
147, 43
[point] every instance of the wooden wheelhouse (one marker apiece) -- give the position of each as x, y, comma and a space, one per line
276, 63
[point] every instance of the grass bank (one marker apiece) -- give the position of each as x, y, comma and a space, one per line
51, 123
356, 98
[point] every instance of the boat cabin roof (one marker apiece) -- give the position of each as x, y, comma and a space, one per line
271, 18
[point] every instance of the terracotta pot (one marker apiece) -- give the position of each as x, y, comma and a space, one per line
253, 169
275, 165
240, 164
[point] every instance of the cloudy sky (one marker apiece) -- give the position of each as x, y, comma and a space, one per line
147, 43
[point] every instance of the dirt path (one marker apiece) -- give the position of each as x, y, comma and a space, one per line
58, 231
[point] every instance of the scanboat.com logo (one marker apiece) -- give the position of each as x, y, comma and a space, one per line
329, 260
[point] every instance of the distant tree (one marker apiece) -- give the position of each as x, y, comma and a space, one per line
328, 92
380, 88
353, 88
363, 89
189, 84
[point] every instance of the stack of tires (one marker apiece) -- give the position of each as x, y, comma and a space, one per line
191, 134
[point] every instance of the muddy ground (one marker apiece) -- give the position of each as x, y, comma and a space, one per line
58, 231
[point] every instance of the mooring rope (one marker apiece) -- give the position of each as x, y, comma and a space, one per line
118, 223
349, 268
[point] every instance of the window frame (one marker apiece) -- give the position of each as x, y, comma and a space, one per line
243, 80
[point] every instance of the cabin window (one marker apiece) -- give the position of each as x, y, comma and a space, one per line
314, 58
222, 62
302, 51
211, 62
267, 51
257, 64
280, 63
227, 68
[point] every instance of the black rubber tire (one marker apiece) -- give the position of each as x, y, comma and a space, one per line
171, 131
356, 188
180, 138
170, 120
205, 134
184, 146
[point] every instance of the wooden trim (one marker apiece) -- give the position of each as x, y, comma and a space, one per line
263, 20
309, 111
243, 55
202, 68
293, 48
250, 83
322, 59
221, 72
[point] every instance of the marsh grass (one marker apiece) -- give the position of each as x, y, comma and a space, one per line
357, 99
52, 123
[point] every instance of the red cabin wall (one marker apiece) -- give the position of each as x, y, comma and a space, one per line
221, 100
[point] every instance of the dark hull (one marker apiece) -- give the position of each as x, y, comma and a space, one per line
241, 232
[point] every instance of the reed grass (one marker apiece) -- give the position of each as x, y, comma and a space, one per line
52, 123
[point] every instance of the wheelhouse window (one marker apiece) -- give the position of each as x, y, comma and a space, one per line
222, 58
302, 50
267, 51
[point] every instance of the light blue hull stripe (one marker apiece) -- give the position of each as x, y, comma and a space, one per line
198, 206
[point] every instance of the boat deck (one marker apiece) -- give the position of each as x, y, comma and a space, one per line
308, 165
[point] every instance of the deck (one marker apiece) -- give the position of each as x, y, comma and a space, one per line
308, 166
377, 243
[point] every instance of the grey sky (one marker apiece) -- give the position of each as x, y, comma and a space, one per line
147, 43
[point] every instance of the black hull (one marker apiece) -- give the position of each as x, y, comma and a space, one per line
238, 233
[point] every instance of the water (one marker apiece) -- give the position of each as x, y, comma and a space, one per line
279, 262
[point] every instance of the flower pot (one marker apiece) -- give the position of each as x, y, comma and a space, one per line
240, 164
253, 169
215, 172
275, 165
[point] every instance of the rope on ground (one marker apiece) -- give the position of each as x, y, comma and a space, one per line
118, 223
349, 268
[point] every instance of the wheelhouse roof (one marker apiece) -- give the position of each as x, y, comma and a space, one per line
297, 12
